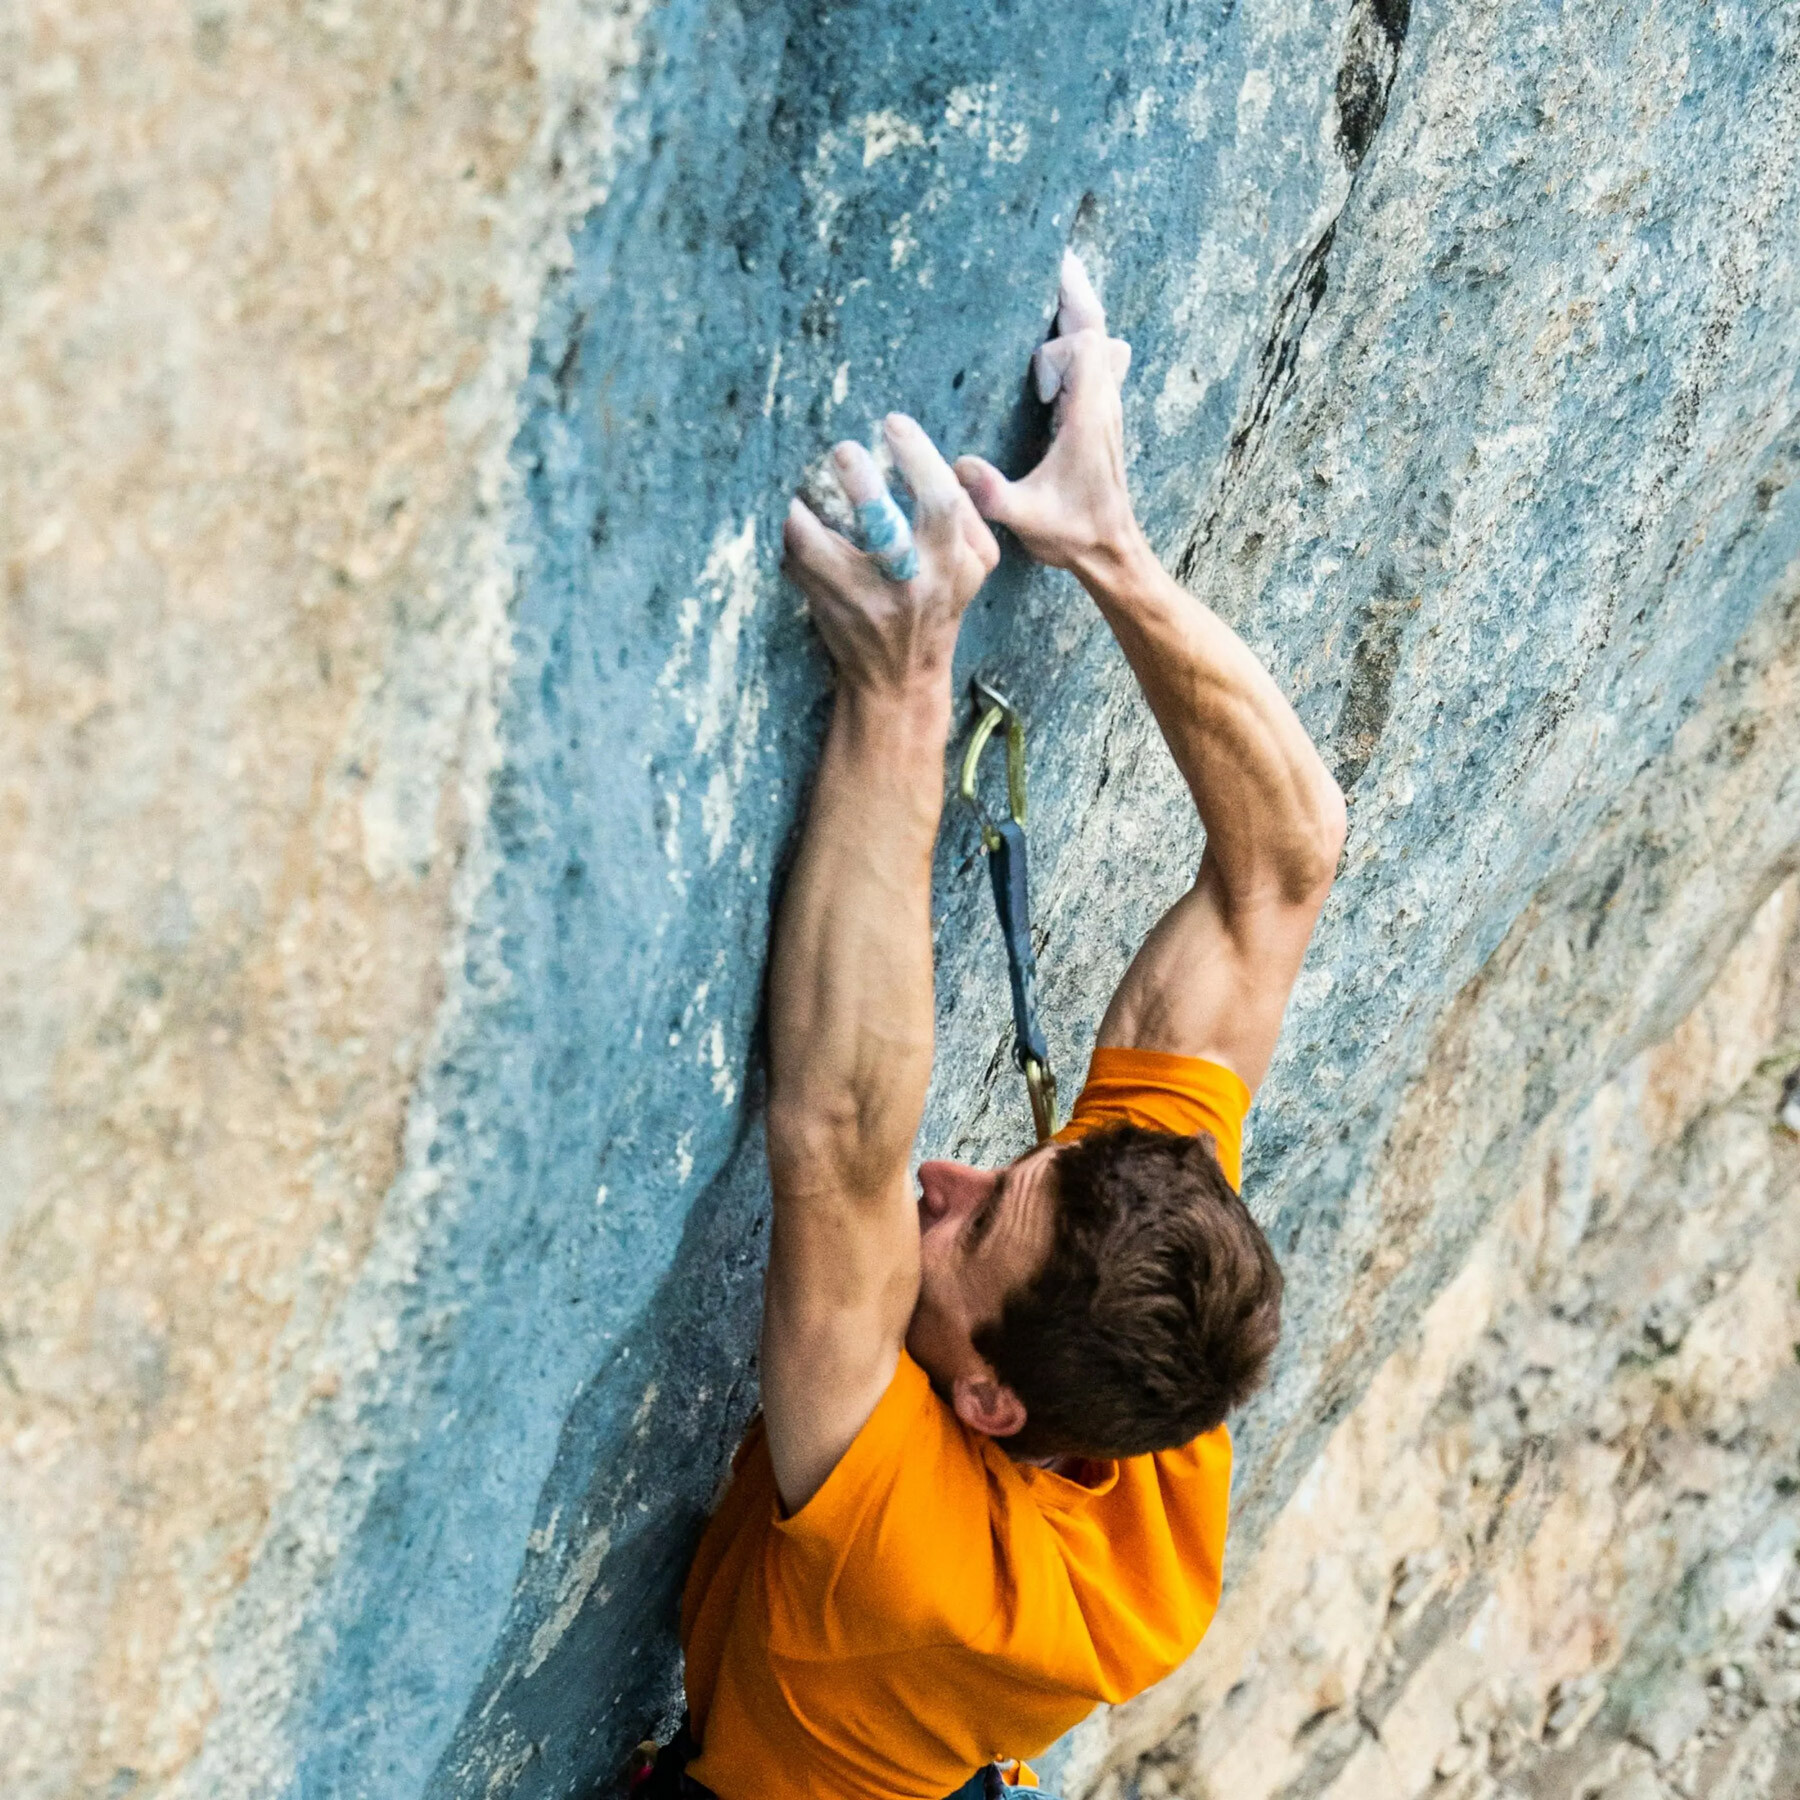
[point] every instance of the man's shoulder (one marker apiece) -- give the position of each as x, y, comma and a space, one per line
900, 1546
1157, 1090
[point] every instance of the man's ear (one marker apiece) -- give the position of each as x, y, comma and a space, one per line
985, 1403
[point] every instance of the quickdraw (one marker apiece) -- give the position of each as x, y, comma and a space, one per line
1004, 842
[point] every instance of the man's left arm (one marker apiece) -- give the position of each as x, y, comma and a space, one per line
850, 985
1212, 979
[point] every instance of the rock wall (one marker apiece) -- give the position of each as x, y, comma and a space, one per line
405, 718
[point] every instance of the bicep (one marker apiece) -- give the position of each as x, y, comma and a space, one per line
842, 1281
1213, 977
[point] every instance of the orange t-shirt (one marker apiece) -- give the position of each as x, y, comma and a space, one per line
935, 1605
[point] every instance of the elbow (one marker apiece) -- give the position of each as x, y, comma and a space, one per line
819, 1144
1318, 846
806, 1137
1334, 825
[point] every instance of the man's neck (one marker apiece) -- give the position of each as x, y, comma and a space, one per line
1070, 1467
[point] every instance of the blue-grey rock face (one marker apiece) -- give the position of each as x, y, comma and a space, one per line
1465, 338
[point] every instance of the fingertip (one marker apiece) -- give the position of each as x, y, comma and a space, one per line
985, 545
906, 435
1078, 301
857, 472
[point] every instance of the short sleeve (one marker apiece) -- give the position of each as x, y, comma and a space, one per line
1150, 1088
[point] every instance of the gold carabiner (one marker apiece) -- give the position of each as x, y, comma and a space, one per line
1040, 1084
997, 710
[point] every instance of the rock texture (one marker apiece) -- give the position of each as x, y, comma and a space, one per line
1552, 1551
404, 719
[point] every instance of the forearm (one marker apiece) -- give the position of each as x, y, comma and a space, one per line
850, 996
1273, 815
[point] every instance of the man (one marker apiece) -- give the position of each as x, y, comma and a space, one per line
989, 1486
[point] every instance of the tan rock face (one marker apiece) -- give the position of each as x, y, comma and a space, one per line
1552, 1552
268, 280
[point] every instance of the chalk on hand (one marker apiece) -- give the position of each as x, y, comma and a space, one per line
880, 523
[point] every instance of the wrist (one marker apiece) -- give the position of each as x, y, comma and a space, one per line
919, 699
1119, 560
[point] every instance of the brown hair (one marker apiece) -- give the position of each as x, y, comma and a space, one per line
1156, 1310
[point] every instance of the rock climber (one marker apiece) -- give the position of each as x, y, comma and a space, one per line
988, 1487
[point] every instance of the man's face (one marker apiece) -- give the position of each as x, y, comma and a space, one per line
983, 1234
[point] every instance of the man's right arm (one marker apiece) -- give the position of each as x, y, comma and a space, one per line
850, 984
1213, 977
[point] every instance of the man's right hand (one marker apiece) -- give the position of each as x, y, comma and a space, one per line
1073, 511
882, 633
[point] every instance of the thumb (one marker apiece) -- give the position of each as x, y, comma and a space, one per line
995, 497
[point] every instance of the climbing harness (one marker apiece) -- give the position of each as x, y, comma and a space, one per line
659, 1772
1004, 842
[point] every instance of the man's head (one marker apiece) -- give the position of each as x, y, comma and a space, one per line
1100, 1298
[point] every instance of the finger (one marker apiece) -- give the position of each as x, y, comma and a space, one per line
1087, 365
823, 599
862, 481
883, 527
1053, 362
920, 463
813, 548
1049, 365
976, 536
827, 591
1017, 505
1009, 503
943, 514
1078, 306
981, 541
